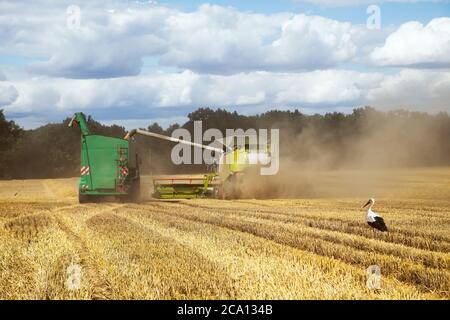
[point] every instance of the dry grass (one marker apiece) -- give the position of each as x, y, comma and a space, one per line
247, 249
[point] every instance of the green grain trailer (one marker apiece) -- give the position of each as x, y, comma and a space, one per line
109, 166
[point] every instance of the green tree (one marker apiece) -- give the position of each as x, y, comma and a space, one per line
10, 132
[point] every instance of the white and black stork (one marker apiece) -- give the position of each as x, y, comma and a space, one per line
373, 219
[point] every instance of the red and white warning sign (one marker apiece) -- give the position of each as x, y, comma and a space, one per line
85, 170
123, 171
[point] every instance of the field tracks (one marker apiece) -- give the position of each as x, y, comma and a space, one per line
401, 236
407, 264
101, 288
317, 248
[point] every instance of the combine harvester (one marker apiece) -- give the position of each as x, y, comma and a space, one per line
110, 167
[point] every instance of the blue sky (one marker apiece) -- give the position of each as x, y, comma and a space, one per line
392, 13
135, 63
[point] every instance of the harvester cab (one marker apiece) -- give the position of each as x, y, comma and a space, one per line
109, 166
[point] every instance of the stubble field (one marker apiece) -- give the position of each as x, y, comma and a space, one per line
317, 247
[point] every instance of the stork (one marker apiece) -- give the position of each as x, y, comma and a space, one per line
373, 219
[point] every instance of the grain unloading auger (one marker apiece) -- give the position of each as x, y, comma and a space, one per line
110, 167
183, 187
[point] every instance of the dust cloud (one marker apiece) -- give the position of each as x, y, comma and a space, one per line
373, 158
363, 154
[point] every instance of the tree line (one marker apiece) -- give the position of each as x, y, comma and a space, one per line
365, 138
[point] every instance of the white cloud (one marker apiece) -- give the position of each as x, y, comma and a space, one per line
215, 56
416, 45
427, 91
113, 49
212, 39
329, 87
129, 97
311, 42
113, 42
8, 94
224, 41
105, 44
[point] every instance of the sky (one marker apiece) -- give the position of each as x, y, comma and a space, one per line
136, 62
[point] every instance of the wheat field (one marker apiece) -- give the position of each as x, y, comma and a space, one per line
303, 248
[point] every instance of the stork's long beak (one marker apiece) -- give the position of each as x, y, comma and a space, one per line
368, 202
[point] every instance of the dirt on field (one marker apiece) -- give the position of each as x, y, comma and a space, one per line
314, 246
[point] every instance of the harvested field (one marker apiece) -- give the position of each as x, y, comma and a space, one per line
313, 248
